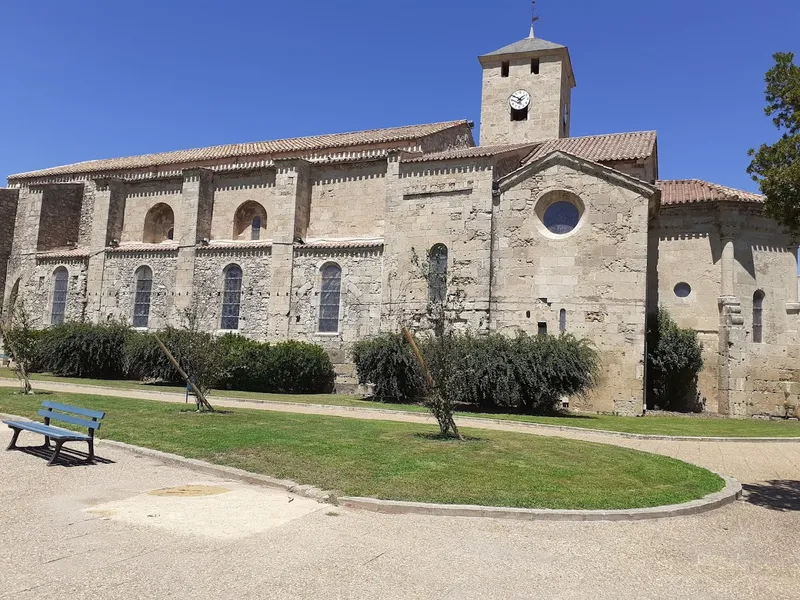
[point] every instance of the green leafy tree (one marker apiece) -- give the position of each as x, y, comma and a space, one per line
776, 167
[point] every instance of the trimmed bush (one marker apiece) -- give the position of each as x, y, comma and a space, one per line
82, 350
289, 367
387, 361
491, 372
674, 360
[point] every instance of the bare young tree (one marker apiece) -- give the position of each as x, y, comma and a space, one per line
18, 339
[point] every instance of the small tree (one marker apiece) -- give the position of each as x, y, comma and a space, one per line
440, 406
674, 360
19, 339
776, 167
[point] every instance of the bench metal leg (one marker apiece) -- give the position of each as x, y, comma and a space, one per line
13, 443
46, 442
91, 452
59, 443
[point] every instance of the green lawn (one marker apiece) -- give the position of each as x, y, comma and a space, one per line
681, 426
397, 460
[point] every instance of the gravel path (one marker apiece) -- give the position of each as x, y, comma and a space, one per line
95, 532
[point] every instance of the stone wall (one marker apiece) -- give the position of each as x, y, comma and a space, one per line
36, 288
60, 216
140, 197
740, 377
119, 286
348, 201
8, 215
209, 278
544, 120
232, 190
360, 304
597, 272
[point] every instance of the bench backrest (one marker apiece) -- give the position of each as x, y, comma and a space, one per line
73, 415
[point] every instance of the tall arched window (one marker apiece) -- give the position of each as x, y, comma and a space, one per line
758, 317
60, 285
562, 320
232, 298
141, 300
255, 228
437, 274
330, 298
159, 224
12, 300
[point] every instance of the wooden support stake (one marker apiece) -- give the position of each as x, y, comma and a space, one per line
201, 399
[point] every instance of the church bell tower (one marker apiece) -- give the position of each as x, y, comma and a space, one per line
527, 89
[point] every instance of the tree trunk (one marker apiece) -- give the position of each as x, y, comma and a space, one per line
200, 398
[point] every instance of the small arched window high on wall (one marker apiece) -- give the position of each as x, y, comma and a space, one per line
60, 286
330, 298
758, 316
231, 298
141, 300
437, 274
159, 224
562, 320
249, 221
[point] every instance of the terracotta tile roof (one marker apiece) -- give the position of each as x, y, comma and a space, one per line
136, 247
473, 152
601, 148
286, 148
234, 245
340, 244
691, 191
72, 253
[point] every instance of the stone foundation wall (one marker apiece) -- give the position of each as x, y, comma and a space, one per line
209, 279
119, 286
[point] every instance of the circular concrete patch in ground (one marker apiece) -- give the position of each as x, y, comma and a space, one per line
188, 491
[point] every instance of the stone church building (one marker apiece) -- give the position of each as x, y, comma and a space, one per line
314, 239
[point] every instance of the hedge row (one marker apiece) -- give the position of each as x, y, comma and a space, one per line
229, 362
492, 372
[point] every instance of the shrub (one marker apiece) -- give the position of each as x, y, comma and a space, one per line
674, 360
144, 360
82, 350
289, 367
492, 372
525, 373
387, 361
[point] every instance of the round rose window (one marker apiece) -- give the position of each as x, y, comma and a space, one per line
561, 217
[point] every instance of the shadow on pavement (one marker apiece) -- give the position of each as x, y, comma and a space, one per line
67, 458
783, 495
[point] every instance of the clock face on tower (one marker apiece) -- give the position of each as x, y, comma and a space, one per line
519, 100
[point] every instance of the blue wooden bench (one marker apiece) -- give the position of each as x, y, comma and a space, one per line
68, 414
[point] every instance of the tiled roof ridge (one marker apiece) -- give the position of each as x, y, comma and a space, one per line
600, 147
469, 152
265, 147
694, 191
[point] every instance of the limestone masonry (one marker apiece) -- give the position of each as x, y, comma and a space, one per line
333, 238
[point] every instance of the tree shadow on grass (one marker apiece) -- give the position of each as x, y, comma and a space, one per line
194, 411
780, 494
69, 457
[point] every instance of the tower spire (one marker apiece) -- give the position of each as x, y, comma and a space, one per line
534, 17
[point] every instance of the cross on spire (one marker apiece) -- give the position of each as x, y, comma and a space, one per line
534, 16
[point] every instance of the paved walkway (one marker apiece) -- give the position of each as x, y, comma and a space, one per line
749, 462
98, 532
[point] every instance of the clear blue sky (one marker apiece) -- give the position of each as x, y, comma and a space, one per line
96, 78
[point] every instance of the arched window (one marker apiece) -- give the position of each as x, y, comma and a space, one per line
562, 320
250, 220
758, 317
141, 301
60, 284
231, 298
159, 224
330, 298
437, 274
